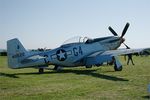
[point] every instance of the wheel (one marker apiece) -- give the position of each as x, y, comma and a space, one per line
98, 65
41, 70
117, 68
90, 66
58, 68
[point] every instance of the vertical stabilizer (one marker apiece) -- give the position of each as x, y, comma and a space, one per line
15, 53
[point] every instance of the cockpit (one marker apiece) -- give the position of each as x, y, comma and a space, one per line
86, 40
77, 39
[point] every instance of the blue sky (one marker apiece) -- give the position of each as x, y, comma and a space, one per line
48, 23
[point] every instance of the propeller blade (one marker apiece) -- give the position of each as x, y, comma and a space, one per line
126, 46
112, 31
125, 29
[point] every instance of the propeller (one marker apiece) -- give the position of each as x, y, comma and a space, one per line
126, 46
113, 32
123, 33
125, 29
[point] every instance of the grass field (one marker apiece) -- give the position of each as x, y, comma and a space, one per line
97, 83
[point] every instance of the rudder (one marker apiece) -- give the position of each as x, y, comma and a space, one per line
15, 53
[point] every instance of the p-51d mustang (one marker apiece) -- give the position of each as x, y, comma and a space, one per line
83, 52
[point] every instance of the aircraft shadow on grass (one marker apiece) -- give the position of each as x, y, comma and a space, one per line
78, 72
146, 97
8, 75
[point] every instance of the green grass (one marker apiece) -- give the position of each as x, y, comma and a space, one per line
97, 83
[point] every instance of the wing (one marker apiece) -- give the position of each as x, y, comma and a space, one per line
105, 56
122, 52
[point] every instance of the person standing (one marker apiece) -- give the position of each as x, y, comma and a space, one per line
130, 59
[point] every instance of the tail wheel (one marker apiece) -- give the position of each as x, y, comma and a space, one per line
90, 66
41, 70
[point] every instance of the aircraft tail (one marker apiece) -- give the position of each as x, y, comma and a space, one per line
15, 53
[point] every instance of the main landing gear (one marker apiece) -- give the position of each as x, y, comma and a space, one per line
117, 64
57, 68
117, 68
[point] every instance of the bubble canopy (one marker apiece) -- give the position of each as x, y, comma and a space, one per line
76, 39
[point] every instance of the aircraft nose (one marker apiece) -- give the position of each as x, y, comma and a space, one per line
122, 40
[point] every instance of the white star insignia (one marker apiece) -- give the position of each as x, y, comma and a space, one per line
61, 55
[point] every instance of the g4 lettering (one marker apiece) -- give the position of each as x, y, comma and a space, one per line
77, 51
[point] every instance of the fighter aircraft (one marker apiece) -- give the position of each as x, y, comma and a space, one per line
82, 52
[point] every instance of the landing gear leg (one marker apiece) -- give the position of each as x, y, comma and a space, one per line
57, 68
117, 64
117, 68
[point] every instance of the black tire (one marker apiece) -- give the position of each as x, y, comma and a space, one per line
98, 65
117, 69
56, 67
41, 70
90, 66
